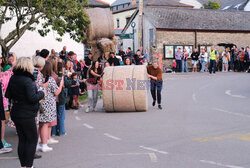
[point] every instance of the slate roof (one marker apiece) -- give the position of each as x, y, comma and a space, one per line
170, 3
198, 19
120, 2
98, 3
228, 4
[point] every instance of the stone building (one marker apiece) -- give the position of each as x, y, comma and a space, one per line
166, 29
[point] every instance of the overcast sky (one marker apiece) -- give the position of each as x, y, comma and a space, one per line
109, 1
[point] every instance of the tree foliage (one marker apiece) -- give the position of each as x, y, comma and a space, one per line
211, 5
61, 16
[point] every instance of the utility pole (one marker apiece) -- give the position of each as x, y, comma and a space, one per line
140, 23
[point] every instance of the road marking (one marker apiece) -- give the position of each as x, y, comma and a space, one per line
194, 97
75, 111
88, 126
152, 156
8, 158
78, 118
154, 150
228, 92
112, 137
243, 137
219, 164
229, 112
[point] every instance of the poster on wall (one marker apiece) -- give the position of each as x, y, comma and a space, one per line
189, 50
169, 52
176, 47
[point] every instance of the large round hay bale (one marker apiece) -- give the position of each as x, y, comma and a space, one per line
125, 89
102, 25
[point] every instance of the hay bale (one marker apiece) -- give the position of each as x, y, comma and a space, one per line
102, 25
123, 97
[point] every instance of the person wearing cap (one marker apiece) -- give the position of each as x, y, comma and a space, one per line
113, 61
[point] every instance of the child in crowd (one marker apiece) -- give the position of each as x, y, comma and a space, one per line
75, 91
174, 66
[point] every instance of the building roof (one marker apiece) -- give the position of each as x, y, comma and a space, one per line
120, 2
130, 7
169, 3
198, 19
225, 4
98, 3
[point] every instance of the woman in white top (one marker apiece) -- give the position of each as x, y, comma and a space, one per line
204, 60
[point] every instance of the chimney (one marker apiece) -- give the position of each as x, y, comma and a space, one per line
133, 2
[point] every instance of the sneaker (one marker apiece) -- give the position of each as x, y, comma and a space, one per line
153, 104
159, 106
38, 147
6, 145
37, 156
5, 150
52, 141
87, 110
46, 148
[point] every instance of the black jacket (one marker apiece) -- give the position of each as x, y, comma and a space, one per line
2, 114
114, 61
22, 91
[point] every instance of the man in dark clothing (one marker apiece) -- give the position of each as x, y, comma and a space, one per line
129, 53
138, 58
113, 61
122, 54
63, 54
87, 64
195, 56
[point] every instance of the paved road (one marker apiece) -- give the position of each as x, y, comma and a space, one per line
205, 123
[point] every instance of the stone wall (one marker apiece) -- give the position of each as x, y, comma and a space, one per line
203, 38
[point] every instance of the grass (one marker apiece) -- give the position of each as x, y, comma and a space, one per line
85, 96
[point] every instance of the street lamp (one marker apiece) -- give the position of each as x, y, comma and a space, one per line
133, 27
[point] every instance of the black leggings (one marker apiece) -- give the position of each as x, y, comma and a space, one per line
156, 85
27, 135
1, 143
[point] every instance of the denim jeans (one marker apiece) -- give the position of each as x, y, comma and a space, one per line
59, 129
184, 65
212, 65
203, 65
92, 95
156, 86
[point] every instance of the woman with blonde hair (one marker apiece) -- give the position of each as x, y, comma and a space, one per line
23, 93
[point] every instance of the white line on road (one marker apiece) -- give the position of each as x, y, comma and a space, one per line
78, 118
228, 92
152, 156
219, 164
194, 97
75, 111
88, 126
8, 158
112, 137
154, 150
229, 112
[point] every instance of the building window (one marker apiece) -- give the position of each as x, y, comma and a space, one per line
118, 23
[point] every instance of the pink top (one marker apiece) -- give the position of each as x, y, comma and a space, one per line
5, 78
174, 64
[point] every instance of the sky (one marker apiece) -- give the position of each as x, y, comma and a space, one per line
109, 1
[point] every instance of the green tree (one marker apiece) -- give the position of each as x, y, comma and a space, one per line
61, 16
211, 5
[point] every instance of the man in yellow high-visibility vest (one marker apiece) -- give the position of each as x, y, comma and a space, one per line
213, 55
